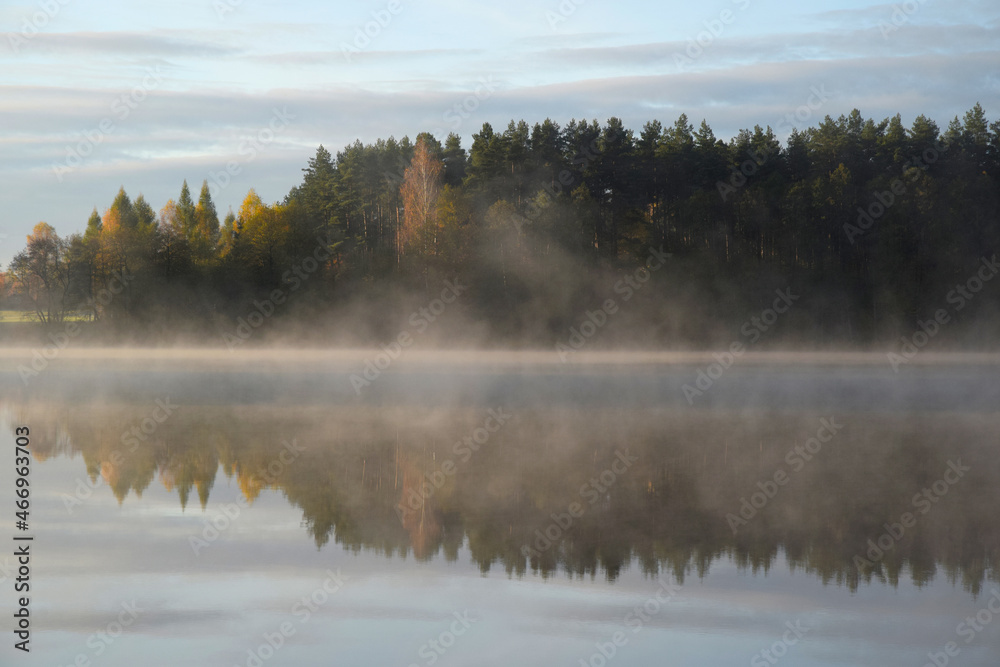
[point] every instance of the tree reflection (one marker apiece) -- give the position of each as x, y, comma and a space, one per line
379, 480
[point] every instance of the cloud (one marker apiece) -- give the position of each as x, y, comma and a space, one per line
953, 11
297, 58
727, 51
131, 44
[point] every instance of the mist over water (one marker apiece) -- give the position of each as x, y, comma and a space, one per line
440, 378
697, 463
791, 468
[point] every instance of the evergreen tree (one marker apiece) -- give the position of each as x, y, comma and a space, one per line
206, 236
186, 214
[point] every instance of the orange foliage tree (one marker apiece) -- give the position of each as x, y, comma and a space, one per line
420, 190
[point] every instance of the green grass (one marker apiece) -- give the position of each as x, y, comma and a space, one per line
17, 316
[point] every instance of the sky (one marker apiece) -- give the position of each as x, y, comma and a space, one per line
99, 95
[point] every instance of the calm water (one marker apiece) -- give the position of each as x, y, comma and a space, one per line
501, 511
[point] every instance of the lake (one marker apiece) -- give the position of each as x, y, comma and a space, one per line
195, 507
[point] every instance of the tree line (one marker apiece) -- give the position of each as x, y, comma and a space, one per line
875, 219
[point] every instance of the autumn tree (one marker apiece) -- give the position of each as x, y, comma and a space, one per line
263, 237
228, 236
39, 274
420, 191
122, 252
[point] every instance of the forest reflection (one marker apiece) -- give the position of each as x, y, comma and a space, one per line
406, 481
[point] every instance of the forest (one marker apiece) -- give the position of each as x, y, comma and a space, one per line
871, 223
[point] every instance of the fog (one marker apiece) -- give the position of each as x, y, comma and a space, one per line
408, 376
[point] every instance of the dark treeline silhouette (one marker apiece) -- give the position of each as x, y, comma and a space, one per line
398, 481
870, 222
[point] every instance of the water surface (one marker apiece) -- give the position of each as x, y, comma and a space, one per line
519, 511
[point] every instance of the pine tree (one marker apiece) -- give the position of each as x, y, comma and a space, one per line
145, 215
122, 214
206, 235
94, 225
186, 213
455, 160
